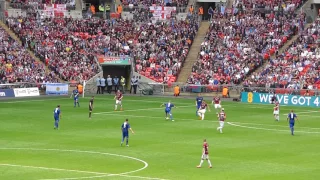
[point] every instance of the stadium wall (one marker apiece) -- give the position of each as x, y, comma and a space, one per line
291, 100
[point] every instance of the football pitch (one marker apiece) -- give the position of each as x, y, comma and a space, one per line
252, 147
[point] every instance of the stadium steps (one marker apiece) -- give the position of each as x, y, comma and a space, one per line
281, 50
193, 53
230, 3
15, 37
78, 5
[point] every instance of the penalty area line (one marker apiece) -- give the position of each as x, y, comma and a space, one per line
268, 129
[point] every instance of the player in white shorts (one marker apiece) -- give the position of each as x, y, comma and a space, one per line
217, 103
222, 117
118, 97
202, 110
276, 111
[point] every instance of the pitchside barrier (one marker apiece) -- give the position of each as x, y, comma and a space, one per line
257, 95
30, 90
18, 90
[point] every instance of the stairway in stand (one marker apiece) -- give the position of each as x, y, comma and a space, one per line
193, 53
15, 37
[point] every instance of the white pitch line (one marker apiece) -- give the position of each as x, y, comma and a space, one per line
32, 100
214, 121
77, 171
80, 171
267, 129
304, 112
144, 109
272, 125
106, 99
54, 169
156, 117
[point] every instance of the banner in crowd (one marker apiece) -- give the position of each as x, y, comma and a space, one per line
114, 60
291, 100
6, 93
26, 92
57, 89
54, 10
162, 12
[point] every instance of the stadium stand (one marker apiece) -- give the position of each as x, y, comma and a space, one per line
17, 65
297, 68
40, 4
146, 3
68, 46
54, 41
162, 58
239, 41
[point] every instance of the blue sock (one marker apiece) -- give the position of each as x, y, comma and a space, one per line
56, 124
127, 142
292, 130
197, 113
74, 104
122, 140
171, 117
78, 104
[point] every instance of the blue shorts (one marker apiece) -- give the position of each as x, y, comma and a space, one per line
198, 106
167, 111
125, 135
56, 118
291, 125
76, 99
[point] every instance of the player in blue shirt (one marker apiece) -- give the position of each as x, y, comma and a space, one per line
167, 110
125, 127
56, 116
76, 97
292, 117
199, 100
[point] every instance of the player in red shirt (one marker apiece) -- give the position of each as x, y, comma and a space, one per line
118, 97
217, 103
276, 110
222, 117
202, 110
205, 154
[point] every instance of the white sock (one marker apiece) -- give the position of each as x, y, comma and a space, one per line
199, 114
209, 163
202, 117
220, 128
115, 107
201, 162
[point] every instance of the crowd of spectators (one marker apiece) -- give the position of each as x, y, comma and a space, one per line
236, 44
240, 42
68, 46
64, 45
297, 68
275, 5
40, 4
162, 48
147, 3
18, 66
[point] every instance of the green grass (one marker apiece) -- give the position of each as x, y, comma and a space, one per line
253, 147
